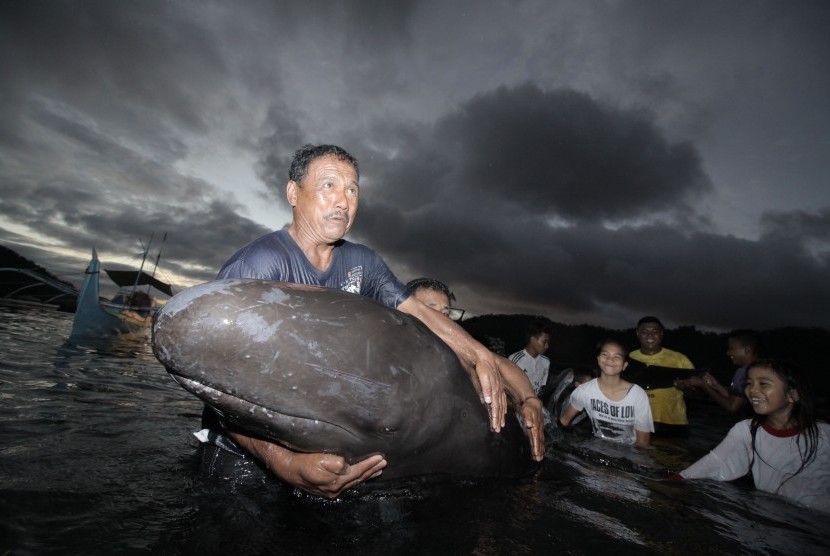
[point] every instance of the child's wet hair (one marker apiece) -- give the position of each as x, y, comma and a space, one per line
803, 410
795, 379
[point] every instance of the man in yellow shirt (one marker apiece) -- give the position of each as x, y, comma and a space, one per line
668, 408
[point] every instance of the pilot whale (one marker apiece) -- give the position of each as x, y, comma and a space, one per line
323, 370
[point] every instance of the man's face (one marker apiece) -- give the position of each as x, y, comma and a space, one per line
650, 335
325, 202
434, 300
737, 352
539, 344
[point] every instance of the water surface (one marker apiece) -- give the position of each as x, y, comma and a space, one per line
97, 457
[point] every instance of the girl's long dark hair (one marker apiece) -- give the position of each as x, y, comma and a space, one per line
803, 412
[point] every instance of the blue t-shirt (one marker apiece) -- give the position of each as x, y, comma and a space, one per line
737, 389
276, 256
354, 268
738, 382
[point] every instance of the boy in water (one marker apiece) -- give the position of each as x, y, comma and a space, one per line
437, 296
532, 359
743, 348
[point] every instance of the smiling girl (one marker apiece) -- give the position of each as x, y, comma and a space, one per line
619, 411
784, 447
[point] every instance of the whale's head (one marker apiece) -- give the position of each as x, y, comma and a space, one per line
313, 368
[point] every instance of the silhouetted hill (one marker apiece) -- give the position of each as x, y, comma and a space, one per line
21, 287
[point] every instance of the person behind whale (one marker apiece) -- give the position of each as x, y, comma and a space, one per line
436, 295
323, 192
532, 359
432, 293
619, 411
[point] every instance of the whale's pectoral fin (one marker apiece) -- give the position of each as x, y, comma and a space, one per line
563, 381
551, 394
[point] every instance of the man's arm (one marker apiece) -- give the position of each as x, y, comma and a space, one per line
519, 389
530, 406
469, 351
497, 376
715, 391
320, 474
568, 416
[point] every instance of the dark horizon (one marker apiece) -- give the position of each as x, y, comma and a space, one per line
108, 288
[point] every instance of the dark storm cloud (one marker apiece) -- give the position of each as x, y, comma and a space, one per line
101, 57
567, 155
528, 177
127, 198
581, 160
283, 137
518, 264
524, 155
57, 196
198, 239
201, 234
97, 107
795, 225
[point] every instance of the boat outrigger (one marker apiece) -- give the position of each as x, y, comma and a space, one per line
130, 310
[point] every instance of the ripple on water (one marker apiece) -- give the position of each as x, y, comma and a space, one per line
97, 457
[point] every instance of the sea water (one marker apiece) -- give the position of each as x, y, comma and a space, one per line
97, 456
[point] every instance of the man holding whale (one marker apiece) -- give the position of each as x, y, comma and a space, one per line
323, 191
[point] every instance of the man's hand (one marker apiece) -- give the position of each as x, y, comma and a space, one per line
528, 403
470, 352
492, 388
325, 475
531, 412
689, 383
329, 475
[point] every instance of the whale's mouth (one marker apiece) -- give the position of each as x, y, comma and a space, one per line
300, 432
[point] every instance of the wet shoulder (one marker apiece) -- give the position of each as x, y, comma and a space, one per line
357, 251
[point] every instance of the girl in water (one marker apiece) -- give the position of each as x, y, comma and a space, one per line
619, 411
784, 447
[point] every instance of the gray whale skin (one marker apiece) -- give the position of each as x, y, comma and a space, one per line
323, 370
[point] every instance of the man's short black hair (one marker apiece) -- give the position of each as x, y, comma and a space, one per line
307, 153
429, 284
650, 319
538, 327
748, 338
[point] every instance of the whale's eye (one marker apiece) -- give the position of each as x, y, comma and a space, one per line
463, 413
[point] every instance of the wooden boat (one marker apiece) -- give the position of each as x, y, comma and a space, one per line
23, 286
130, 310
25, 283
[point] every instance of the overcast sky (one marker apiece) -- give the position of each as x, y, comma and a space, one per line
590, 161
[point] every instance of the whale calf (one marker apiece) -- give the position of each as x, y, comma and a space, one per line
323, 370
